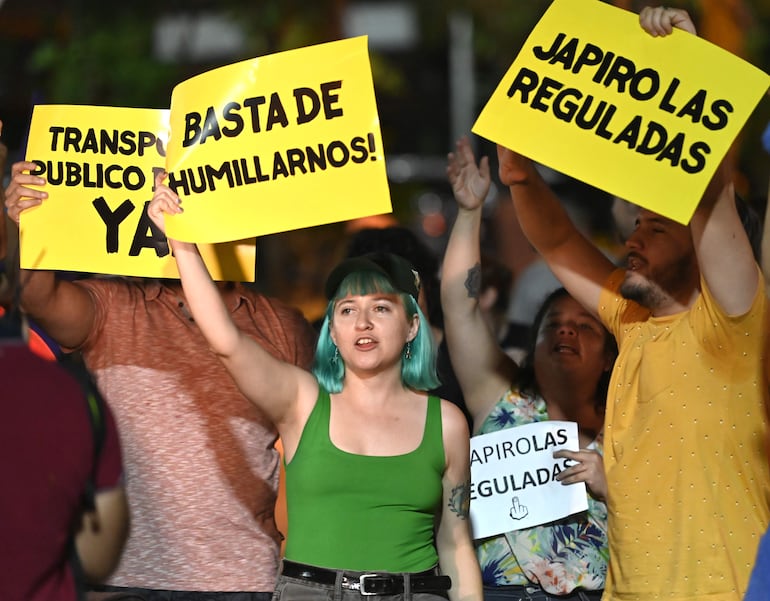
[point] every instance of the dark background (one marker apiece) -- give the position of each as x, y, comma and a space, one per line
430, 87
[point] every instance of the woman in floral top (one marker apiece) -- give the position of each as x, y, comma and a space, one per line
564, 376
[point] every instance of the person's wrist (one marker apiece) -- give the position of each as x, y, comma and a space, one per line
469, 211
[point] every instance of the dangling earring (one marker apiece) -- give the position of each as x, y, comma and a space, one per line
408, 350
336, 355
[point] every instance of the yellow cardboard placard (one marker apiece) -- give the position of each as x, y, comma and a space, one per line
648, 119
284, 141
99, 163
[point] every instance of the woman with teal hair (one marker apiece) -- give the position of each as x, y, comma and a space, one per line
377, 470
359, 276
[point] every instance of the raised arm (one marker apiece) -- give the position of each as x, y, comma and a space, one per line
273, 385
574, 259
64, 310
724, 252
725, 256
482, 368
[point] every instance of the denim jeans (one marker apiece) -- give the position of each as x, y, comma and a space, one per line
120, 593
535, 593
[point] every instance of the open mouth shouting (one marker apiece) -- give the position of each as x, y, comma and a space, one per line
634, 262
365, 343
564, 348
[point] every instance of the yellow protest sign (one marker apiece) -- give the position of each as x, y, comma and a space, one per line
280, 142
648, 119
99, 164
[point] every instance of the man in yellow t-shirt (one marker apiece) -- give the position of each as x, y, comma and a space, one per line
684, 456
684, 453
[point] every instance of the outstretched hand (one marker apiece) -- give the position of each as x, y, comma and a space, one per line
660, 21
164, 201
470, 182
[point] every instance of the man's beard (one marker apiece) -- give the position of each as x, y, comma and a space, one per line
659, 288
643, 291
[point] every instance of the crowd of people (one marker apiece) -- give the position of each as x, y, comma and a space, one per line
153, 474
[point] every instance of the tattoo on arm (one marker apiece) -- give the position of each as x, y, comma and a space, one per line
460, 500
473, 281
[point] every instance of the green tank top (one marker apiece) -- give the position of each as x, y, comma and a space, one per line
362, 513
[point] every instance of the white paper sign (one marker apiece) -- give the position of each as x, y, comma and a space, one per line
513, 483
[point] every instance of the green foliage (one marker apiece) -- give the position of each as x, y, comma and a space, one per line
104, 65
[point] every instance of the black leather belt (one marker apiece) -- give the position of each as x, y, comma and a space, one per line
369, 583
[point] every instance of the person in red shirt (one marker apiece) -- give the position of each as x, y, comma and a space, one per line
52, 542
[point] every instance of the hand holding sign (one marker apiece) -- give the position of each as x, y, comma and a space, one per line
164, 200
291, 138
518, 511
514, 477
589, 469
660, 21
19, 196
98, 164
269, 144
590, 77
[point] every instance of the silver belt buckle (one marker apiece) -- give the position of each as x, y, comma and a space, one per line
362, 584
